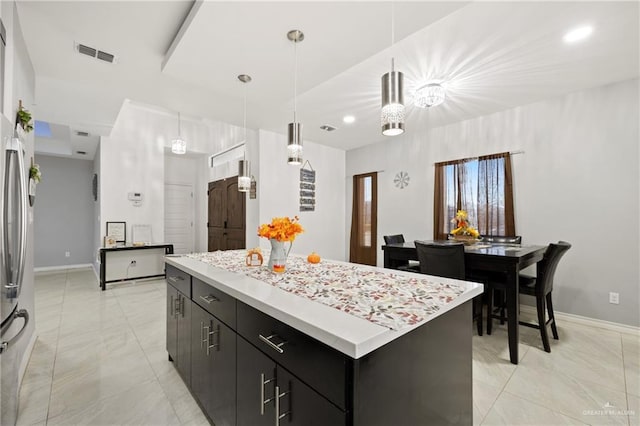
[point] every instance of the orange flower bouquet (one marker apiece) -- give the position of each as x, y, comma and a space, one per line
279, 231
462, 226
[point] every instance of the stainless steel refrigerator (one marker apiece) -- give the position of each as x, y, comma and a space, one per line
13, 244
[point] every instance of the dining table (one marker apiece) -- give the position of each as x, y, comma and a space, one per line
504, 260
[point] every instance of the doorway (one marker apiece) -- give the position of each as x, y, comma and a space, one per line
179, 217
227, 223
364, 220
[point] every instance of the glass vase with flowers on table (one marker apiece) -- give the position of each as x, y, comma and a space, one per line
495, 255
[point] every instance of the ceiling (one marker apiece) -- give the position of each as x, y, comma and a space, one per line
185, 56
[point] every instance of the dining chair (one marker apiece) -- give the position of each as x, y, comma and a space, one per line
448, 261
501, 239
540, 287
405, 266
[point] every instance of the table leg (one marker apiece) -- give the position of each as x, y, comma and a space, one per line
512, 314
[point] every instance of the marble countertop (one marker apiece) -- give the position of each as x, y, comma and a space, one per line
344, 332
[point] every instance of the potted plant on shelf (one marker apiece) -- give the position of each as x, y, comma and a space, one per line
23, 118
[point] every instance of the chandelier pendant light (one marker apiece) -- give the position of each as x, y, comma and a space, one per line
178, 145
392, 114
294, 130
430, 95
244, 166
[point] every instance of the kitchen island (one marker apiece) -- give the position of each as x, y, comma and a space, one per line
256, 351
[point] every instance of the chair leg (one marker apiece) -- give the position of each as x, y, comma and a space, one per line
490, 312
552, 318
542, 323
503, 303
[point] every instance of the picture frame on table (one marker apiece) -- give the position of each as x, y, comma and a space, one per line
118, 231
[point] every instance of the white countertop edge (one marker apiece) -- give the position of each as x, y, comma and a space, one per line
353, 336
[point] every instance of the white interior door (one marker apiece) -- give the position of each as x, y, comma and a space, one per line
178, 217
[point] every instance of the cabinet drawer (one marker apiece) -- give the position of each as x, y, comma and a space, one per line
179, 279
321, 367
215, 302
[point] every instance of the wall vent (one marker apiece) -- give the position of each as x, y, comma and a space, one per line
328, 128
81, 133
95, 53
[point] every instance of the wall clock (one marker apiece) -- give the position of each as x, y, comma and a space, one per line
401, 180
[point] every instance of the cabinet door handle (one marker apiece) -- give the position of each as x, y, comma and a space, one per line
277, 397
204, 336
212, 332
174, 279
176, 307
275, 347
263, 401
209, 298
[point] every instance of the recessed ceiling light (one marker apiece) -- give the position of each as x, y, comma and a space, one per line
348, 119
578, 34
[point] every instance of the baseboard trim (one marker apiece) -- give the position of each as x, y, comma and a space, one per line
62, 267
578, 319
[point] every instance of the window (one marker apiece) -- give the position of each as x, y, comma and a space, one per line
481, 186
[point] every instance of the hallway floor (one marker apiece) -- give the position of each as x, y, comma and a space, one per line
100, 359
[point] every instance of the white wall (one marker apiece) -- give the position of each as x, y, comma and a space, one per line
577, 181
64, 212
97, 229
278, 194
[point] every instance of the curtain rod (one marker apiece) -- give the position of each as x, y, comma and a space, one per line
476, 157
227, 150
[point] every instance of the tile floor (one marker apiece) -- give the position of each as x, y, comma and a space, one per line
100, 360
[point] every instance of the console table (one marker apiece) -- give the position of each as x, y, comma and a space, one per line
124, 263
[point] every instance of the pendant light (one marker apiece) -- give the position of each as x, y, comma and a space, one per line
244, 167
178, 145
392, 114
294, 134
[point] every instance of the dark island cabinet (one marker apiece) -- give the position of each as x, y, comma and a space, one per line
213, 366
247, 368
179, 330
270, 395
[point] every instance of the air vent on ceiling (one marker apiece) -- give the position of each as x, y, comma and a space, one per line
81, 152
328, 128
95, 53
81, 133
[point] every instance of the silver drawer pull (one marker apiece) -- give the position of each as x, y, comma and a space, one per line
210, 344
209, 298
277, 402
263, 401
268, 341
204, 335
175, 279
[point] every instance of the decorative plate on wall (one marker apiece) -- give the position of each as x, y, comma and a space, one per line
401, 180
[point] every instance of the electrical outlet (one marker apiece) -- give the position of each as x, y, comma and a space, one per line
133, 263
67, 254
614, 298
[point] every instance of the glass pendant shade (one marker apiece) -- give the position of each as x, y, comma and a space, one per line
430, 95
244, 175
392, 114
178, 146
294, 143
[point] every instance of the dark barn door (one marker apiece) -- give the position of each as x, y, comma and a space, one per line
226, 225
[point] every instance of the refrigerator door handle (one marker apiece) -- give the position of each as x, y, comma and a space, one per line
22, 313
22, 178
15, 147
